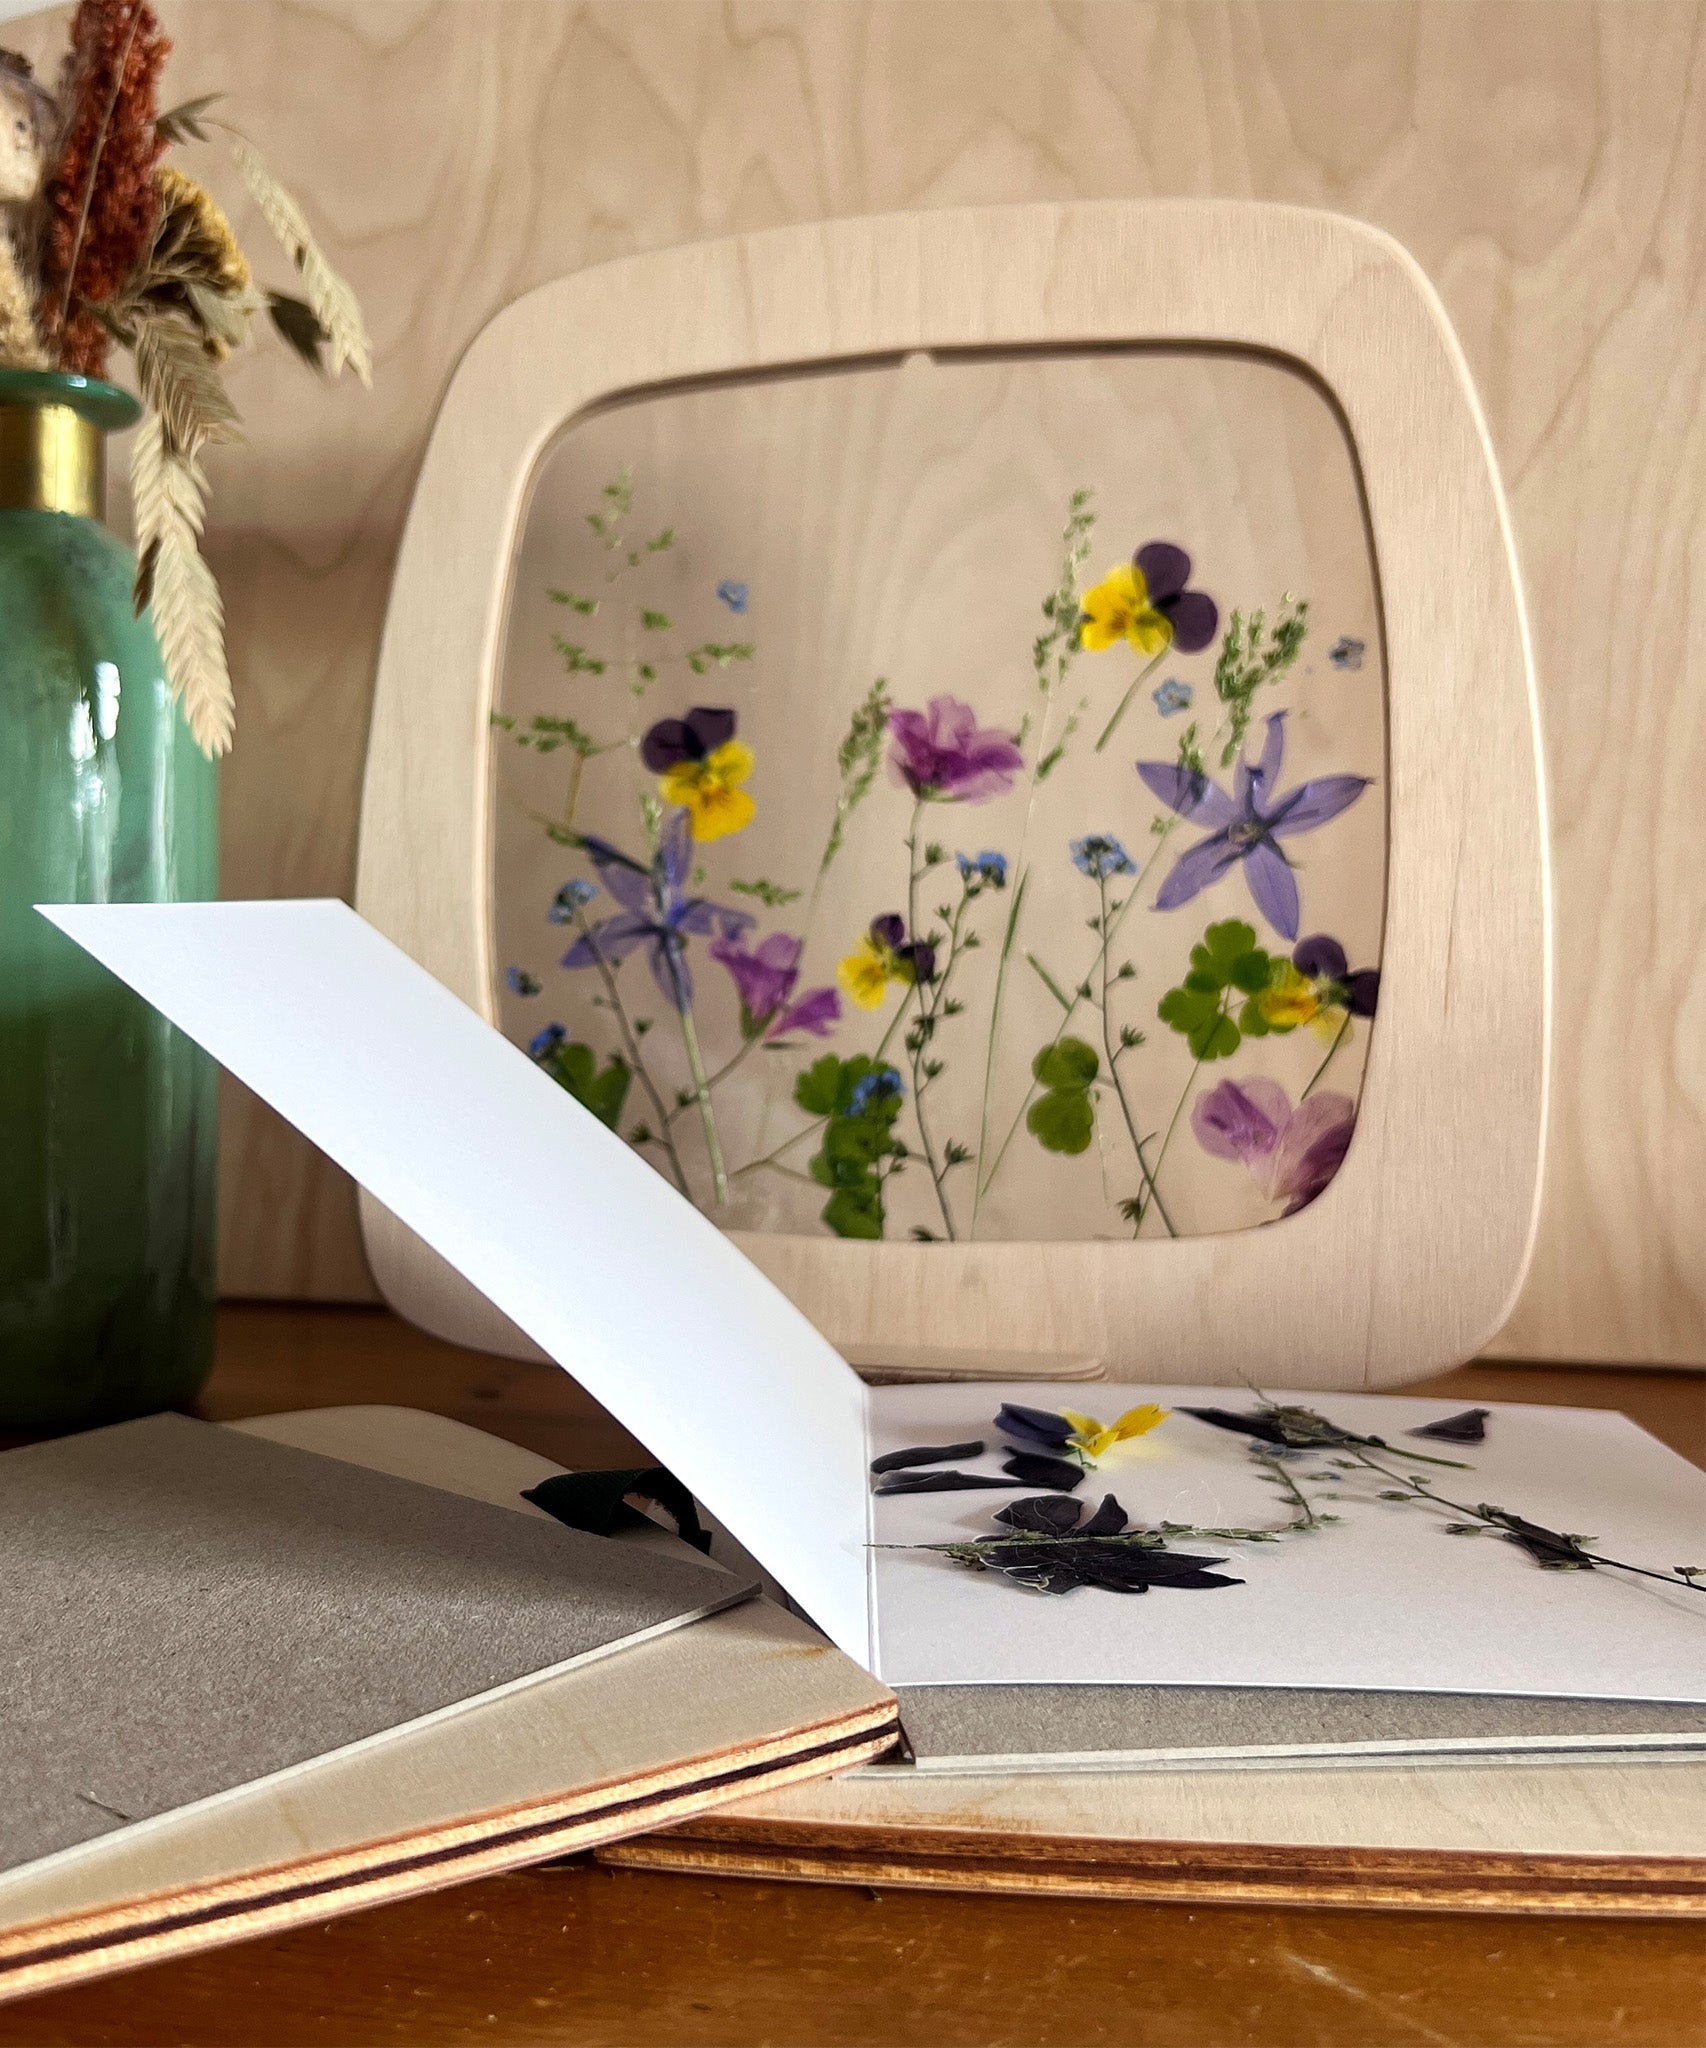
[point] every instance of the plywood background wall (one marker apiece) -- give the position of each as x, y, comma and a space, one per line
1542, 158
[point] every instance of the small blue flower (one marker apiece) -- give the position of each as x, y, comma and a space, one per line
1346, 652
985, 867
570, 899
544, 1043
733, 595
883, 1083
1100, 856
1173, 695
520, 982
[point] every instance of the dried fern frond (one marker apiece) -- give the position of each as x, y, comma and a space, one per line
329, 296
181, 382
170, 499
20, 339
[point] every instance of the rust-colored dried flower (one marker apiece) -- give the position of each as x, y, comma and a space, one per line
99, 198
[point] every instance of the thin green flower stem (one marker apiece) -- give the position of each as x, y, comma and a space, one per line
1338, 1040
926, 1144
636, 1060
1419, 1490
1161, 1156
1137, 684
1138, 881
722, 1073
978, 1187
1276, 1466
702, 1094
1078, 997
1119, 1085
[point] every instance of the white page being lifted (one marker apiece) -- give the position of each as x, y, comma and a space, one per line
534, 1201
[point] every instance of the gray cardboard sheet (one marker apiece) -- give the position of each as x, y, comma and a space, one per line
185, 1609
1047, 1727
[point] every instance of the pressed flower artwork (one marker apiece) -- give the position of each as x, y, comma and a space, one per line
1051, 910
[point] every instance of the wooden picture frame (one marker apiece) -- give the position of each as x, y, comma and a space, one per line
1411, 1257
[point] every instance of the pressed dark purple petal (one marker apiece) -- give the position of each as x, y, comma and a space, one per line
1362, 991
1165, 569
1030, 1468
940, 1482
889, 931
1274, 887
926, 1454
1321, 958
1043, 1514
712, 726
923, 957
1192, 872
1467, 1427
670, 742
1032, 1425
1313, 803
1192, 796
1194, 617
1108, 1520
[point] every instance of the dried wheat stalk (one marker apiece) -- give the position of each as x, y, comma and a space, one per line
333, 303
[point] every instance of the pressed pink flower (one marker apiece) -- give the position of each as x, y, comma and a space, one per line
1291, 1154
764, 978
943, 752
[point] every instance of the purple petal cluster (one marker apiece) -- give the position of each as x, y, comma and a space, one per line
764, 978
1246, 827
943, 753
1291, 1154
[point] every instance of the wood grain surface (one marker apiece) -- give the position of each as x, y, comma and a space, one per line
1540, 158
629, 1959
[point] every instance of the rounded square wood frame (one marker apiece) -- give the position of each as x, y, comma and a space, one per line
1411, 1258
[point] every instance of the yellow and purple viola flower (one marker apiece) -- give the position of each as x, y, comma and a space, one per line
943, 754
1317, 987
1146, 603
764, 978
656, 912
1291, 1154
883, 955
1079, 1436
700, 767
1246, 827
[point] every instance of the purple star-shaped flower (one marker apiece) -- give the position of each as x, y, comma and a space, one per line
655, 913
1246, 827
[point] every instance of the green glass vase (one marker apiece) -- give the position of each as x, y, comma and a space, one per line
107, 1114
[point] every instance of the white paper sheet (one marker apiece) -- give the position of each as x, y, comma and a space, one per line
549, 1214
1385, 1599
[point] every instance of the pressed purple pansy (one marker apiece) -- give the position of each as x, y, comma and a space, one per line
943, 753
1291, 1154
656, 912
1192, 614
1246, 827
1323, 960
674, 740
764, 978
917, 955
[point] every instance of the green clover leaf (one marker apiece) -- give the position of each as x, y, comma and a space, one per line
1063, 1118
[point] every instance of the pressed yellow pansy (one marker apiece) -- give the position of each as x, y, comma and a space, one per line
1093, 1440
1289, 999
709, 791
1118, 608
864, 974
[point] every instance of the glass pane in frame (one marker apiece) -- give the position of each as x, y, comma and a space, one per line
997, 737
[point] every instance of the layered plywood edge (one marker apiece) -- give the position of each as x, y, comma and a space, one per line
647, 1736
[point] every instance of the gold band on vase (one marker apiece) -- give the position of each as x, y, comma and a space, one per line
51, 460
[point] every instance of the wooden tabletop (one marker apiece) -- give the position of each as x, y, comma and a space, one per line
577, 1954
